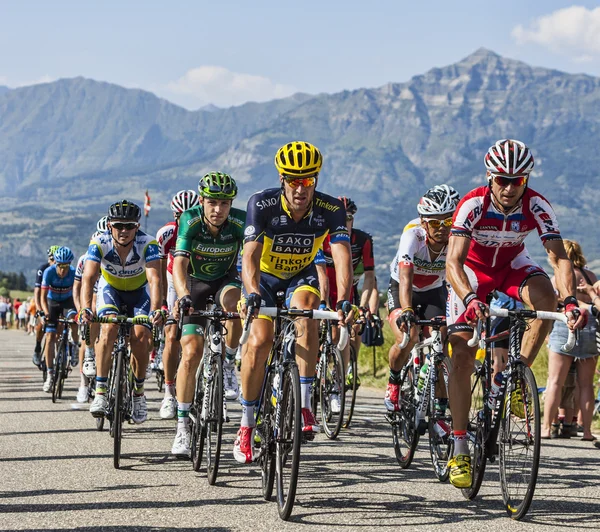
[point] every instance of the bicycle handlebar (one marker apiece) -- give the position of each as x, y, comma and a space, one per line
524, 313
314, 314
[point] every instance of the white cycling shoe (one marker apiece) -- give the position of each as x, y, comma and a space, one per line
168, 408
232, 389
82, 394
140, 409
181, 445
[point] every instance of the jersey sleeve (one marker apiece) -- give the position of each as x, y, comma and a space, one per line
368, 258
39, 274
545, 218
151, 252
80, 266
254, 230
46, 279
163, 237
468, 212
190, 222
237, 218
409, 244
94, 252
319, 257
337, 224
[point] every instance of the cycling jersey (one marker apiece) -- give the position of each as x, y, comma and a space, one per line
491, 230
131, 275
413, 252
361, 245
288, 246
59, 288
210, 257
40, 274
166, 237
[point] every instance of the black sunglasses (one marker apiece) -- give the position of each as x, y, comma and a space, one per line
124, 226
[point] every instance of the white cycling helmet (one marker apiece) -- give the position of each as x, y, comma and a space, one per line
184, 200
441, 199
101, 225
509, 156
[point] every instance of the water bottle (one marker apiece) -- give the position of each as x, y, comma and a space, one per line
423, 375
496, 383
275, 389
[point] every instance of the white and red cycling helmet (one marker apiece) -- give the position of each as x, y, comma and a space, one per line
184, 200
509, 156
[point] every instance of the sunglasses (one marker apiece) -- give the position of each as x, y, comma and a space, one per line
435, 223
306, 182
62, 266
124, 226
503, 181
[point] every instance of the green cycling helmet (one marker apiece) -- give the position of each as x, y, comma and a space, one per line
216, 185
51, 251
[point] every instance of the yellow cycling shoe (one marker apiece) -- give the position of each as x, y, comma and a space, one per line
461, 474
517, 408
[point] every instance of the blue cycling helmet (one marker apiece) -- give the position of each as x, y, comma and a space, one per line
63, 255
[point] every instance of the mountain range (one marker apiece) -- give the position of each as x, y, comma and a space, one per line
71, 147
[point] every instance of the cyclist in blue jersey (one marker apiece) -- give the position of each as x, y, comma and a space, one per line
129, 261
37, 293
285, 227
57, 300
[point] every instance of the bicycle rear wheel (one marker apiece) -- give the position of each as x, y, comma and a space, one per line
404, 430
264, 429
519, 443
287, 439
214, 419
440, 444
120, 387
476, 432
350, 388
331, 384
197, 444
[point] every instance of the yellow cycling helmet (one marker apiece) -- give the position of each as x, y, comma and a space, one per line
298, 159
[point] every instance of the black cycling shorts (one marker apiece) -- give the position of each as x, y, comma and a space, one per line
427, 305
56, 309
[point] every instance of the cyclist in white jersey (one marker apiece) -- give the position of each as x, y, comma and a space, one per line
418, 274
128, 260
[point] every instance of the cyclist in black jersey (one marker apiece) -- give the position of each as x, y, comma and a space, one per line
37, 297
285, 227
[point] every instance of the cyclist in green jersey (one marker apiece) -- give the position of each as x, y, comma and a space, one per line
209, 238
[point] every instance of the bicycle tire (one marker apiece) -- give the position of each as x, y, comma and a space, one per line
519, 443
118, 411
476, 430
440, 448
197, 443
43, 365
214, 423
58, 358
288, 439
64, 371
351, 389
332, 382
267, 449
160, 380
404, 431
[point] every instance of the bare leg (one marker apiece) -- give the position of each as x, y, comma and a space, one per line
558, 368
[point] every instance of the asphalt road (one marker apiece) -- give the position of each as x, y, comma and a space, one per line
56, 473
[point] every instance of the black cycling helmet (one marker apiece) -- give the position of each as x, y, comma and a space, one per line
349, 205
124, 210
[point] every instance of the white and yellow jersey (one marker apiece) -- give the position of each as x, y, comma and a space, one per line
131, 275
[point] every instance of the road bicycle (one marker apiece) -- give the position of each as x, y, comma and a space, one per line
506, 424
423, 400
278, 414
62, 358
207, 411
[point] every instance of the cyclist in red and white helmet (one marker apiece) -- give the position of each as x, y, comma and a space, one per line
485, 253
166, 237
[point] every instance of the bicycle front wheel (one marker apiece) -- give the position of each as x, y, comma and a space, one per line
404, 430
118, 416
519, 442
197, 445
287, 439
440, 442
331, 392
264, 432
476, 432
214, 419
350, 388
58, 364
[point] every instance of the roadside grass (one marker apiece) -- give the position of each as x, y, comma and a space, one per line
21, 294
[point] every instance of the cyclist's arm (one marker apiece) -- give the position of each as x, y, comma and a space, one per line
342, 260
76, 294
44, 298
406, 274
91, 271
180, 267
564, 275
163, 279
251, 266
153, 275
323, 282
458, 249
369, 286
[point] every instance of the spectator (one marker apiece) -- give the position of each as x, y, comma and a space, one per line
3, 311
22, 316
585, 353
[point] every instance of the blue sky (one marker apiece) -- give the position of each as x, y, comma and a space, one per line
199, 52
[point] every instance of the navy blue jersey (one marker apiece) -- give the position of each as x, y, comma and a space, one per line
40, 274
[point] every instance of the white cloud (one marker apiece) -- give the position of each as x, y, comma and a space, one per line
573, 31
220, 86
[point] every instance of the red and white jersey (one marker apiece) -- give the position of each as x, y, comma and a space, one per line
497, 238
413, 252
166, 237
